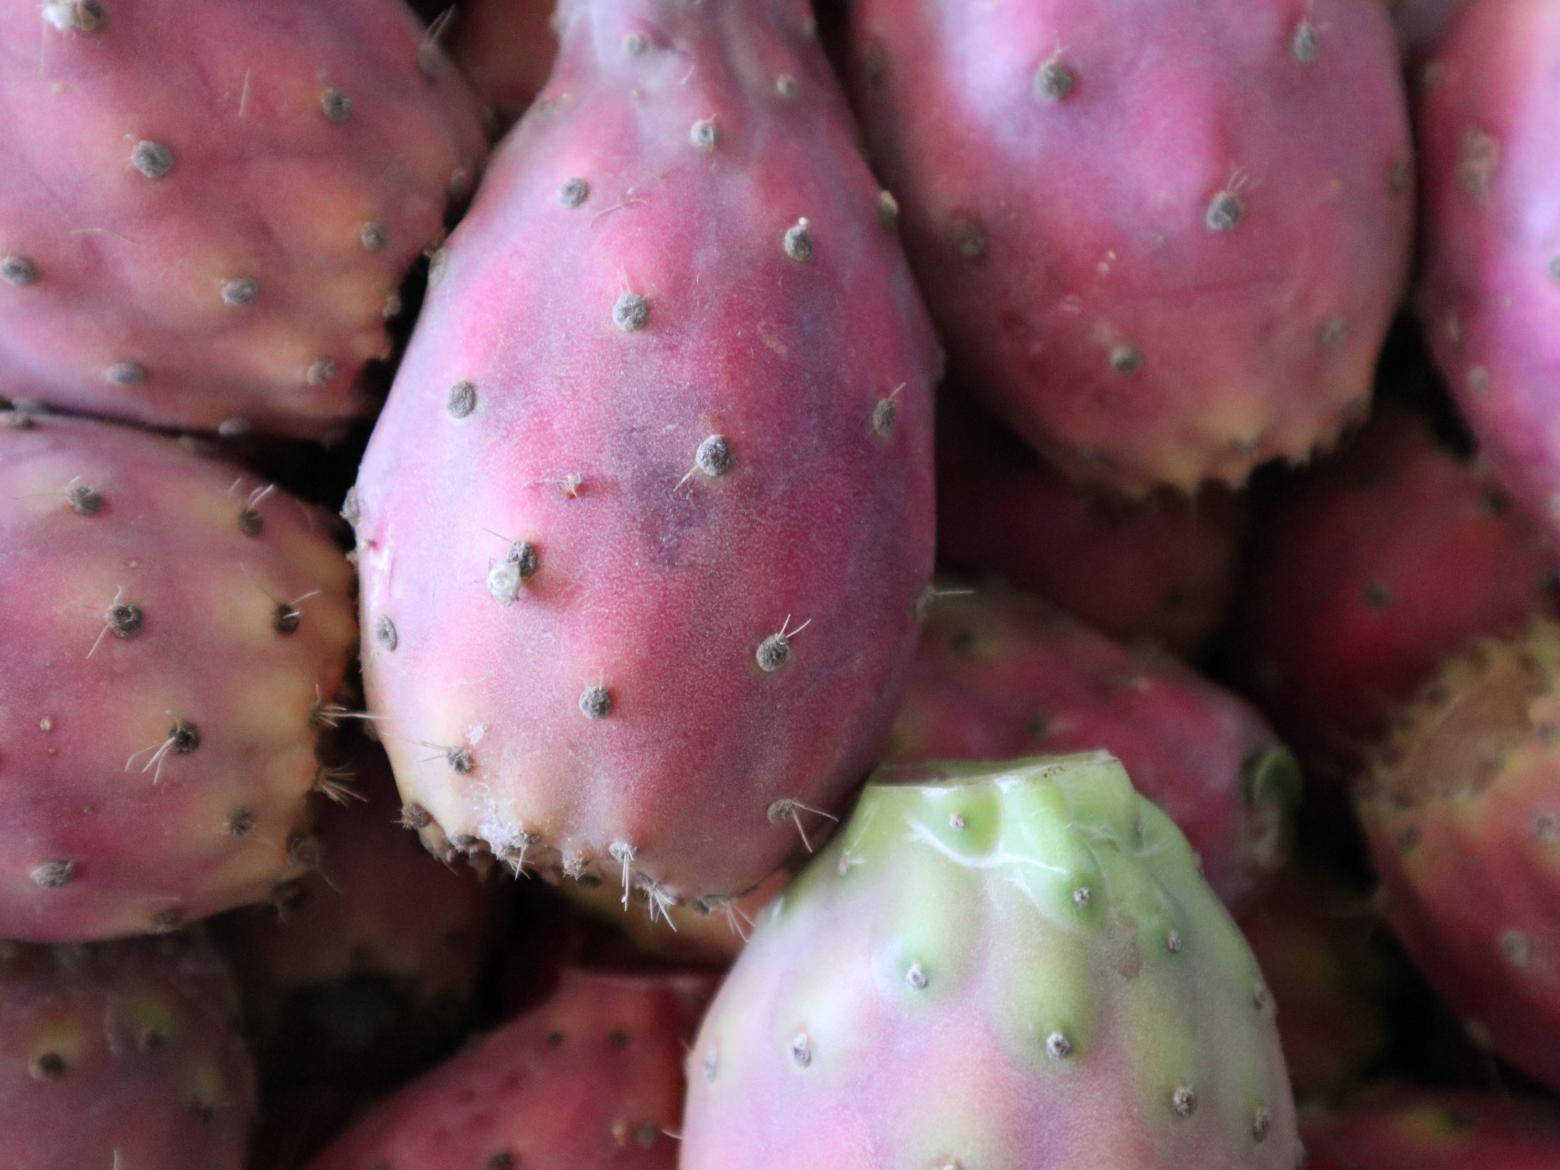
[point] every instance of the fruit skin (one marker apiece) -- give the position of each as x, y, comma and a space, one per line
1488, 103
590, 1079
643, 526
1323, 951
1166, 243
1370, 569
177, 630
506, 50
1000, 674
368, 968
1461, 807
121, 1054
1160, 569
994, 965
209, 208
1399, 1128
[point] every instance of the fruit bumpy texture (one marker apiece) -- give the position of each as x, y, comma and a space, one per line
1490, 101
642, 529
506, 49
1403, 1129
123, 1054
994, 967
1462, 811
999, 674
590, 1080
1160, 569
179, 629
367, 968
1165, 240
209, 208
1371, 568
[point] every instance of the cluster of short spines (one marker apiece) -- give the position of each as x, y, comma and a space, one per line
528, 559
286, 345
124, 707
1060, 919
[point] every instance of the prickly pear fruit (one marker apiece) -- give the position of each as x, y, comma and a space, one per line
1159, 569
506, 49
1165, 240
367, 968
589, 1080
1370, 570
1000, 674
1323, 951
1490, 101
1461, 806
124, 1054
178, 631
1404, 1129
994, 966
642, 529
209, 208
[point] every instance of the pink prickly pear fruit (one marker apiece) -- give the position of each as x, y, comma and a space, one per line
123, 1054
209, 209
642, 529
1371, 569
590, 1080
1166, 241
1491, 288
179, 634
1323, 951
1000, 674
1398, 1128
368, 967
1160, 569
1461, 806
997, 966
506, 50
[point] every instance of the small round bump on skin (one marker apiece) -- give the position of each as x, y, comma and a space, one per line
321, 372
888, 209
81, 16
713, 458
240, 822
167, 920
336, 105
84, 500
1261, 1122
956, 822
46, 1066
460, 761
968, 238
595, 702
916, 977
385, 632
1124, 359
152, 159
286, 618
631, 312
462, 399
798, 242
773, 652
703, 134
53, 874
785, 86
634, 44
574, 192
1183, 1101
801, 1050
126, 373
183, 737
1081, 896
17, 271
125, 619
241, 290
1259, 996
884, 415
1305, 46
1332, 332
415, 816
1173, 942
1055, 81
507, 576
1224, 212
1057, 1046
373, 235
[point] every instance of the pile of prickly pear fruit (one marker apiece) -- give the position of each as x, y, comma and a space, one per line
808, 584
